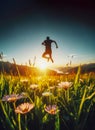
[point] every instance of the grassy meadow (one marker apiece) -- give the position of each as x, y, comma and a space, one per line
47, 102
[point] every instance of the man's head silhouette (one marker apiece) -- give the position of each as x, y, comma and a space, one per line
48, 38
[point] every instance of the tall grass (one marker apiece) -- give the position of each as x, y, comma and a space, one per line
75, 104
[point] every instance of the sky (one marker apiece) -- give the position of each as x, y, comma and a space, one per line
25, 24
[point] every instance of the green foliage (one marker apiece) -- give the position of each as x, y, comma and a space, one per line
75, 104
76, 82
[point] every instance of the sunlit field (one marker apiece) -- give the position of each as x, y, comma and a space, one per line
47, 102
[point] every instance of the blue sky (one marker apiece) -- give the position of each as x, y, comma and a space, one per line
24, 27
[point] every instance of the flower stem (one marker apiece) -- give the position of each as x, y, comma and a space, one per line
19, 123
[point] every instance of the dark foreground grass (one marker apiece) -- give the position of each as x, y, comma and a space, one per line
60, 102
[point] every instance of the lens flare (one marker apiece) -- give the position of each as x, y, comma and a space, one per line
43, 65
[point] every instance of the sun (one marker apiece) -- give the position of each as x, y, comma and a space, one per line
43, 65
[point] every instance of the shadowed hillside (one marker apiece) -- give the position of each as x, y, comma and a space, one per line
86, 68
13, 69
24, 70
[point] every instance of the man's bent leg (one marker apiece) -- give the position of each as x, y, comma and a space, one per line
51, 58
44, 56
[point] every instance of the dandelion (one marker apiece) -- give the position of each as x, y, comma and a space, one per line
52, 87
24, 80
46, 94
13, 97
65, 85
34, 86
47, 97
66, 73
81, 80
52, 109
24, 108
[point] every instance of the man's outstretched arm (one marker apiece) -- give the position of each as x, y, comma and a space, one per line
43, 43
55, 44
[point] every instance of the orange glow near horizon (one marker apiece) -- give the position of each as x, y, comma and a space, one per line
42, 65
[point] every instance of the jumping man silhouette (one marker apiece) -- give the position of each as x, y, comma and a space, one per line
48, 51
